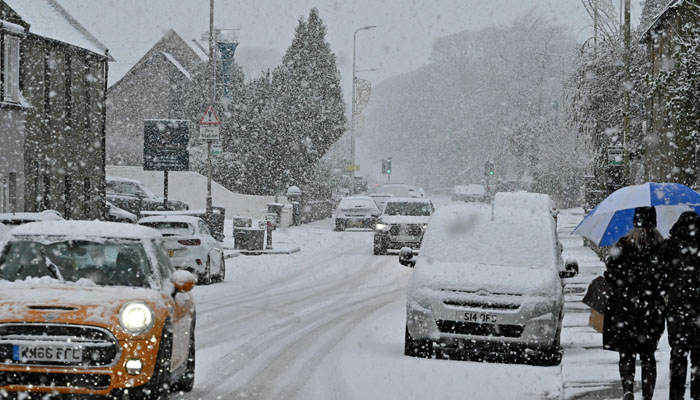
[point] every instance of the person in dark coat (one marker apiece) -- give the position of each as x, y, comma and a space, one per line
682, 259
635, 311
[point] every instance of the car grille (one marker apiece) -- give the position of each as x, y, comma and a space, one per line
410, 230
485, 305
100, 347
414, 230
468, 328
90, 381
395, 230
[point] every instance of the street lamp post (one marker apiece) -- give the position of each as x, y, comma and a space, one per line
352, 112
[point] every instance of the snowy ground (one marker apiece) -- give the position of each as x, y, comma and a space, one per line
328, 323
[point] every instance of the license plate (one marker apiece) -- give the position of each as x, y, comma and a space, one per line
26, 353
481, 318
171, 253
357, 224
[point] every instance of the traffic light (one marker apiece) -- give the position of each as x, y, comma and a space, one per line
489, 168
386, 166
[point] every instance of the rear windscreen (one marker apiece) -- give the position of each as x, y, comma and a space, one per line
171, 228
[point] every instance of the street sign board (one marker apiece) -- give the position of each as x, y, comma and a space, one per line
209, 132
165, 145
616, 155
216, 148
352, 168
210, 118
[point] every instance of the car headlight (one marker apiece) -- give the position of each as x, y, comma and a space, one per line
425, 226
136, 317
382, 227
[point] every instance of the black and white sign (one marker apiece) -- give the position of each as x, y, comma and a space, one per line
165, 145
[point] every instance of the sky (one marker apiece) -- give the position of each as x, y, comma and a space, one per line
401, 42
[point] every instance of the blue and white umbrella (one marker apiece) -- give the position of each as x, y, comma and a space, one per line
613, 217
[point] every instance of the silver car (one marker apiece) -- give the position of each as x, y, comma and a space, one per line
487, 280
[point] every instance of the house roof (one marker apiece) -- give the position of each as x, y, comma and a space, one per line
48, 19
177, 65
670, 8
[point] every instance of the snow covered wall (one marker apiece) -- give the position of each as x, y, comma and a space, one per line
191, 188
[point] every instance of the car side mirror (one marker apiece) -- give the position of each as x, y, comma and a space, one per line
407, 258
570, 269
183, 281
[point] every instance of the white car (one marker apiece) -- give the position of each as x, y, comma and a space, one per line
402, 224
190, 246
487, 281
469, 193
21, 218
356, 212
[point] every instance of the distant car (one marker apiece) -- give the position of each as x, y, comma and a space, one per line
97, 311
116, 214
356, 212
381, 199
487, 280
21, 218
402, 224
190, 246
397, 189
470, 193
133, 196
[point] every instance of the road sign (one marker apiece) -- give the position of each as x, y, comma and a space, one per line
165, 145
210, 118
352, 168
616, 155
216, 148
209, 132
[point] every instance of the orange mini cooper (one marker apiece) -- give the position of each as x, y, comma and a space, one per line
93, 310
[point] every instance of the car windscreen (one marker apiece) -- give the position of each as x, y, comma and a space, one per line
119, 263
171, 228
417, 209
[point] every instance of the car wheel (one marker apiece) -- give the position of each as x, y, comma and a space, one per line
552, 356
205, 278
186, 382
222, 271
339, 225
379, 250
422, 348
158, 388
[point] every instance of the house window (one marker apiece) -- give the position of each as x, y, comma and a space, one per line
10, 66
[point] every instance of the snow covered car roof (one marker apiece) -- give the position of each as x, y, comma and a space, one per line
24, 217
170, 218
86, 229
469, 233
536, 203
121, 179
408, 200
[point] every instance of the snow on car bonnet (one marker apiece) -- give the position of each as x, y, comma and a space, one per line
467, 234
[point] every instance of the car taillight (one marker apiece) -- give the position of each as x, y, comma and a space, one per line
190, 242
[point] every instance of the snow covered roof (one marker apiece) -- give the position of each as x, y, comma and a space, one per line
672, 6
170, 218
177, 64
85, 229
198, 49
48, 19
7, 26
120, 179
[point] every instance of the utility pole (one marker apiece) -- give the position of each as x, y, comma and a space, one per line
353, 105
627, 88
211, 94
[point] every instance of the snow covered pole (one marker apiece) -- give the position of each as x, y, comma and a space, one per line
354, 101
212, 76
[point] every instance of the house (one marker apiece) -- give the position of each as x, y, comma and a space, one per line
164, 84
61, 90
12, 108
670, 153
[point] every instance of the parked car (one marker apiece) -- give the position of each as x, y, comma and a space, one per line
470, 193
93, 308
134, 197
116, 214
380, 199
402, 224
20, 218
190, 246
487, 281
356, 212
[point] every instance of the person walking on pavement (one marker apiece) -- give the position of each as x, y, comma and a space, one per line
681, 257
634, 314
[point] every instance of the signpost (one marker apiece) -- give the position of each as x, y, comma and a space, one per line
165, 148
209, 131
616, 155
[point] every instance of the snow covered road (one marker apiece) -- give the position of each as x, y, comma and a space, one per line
328, 323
